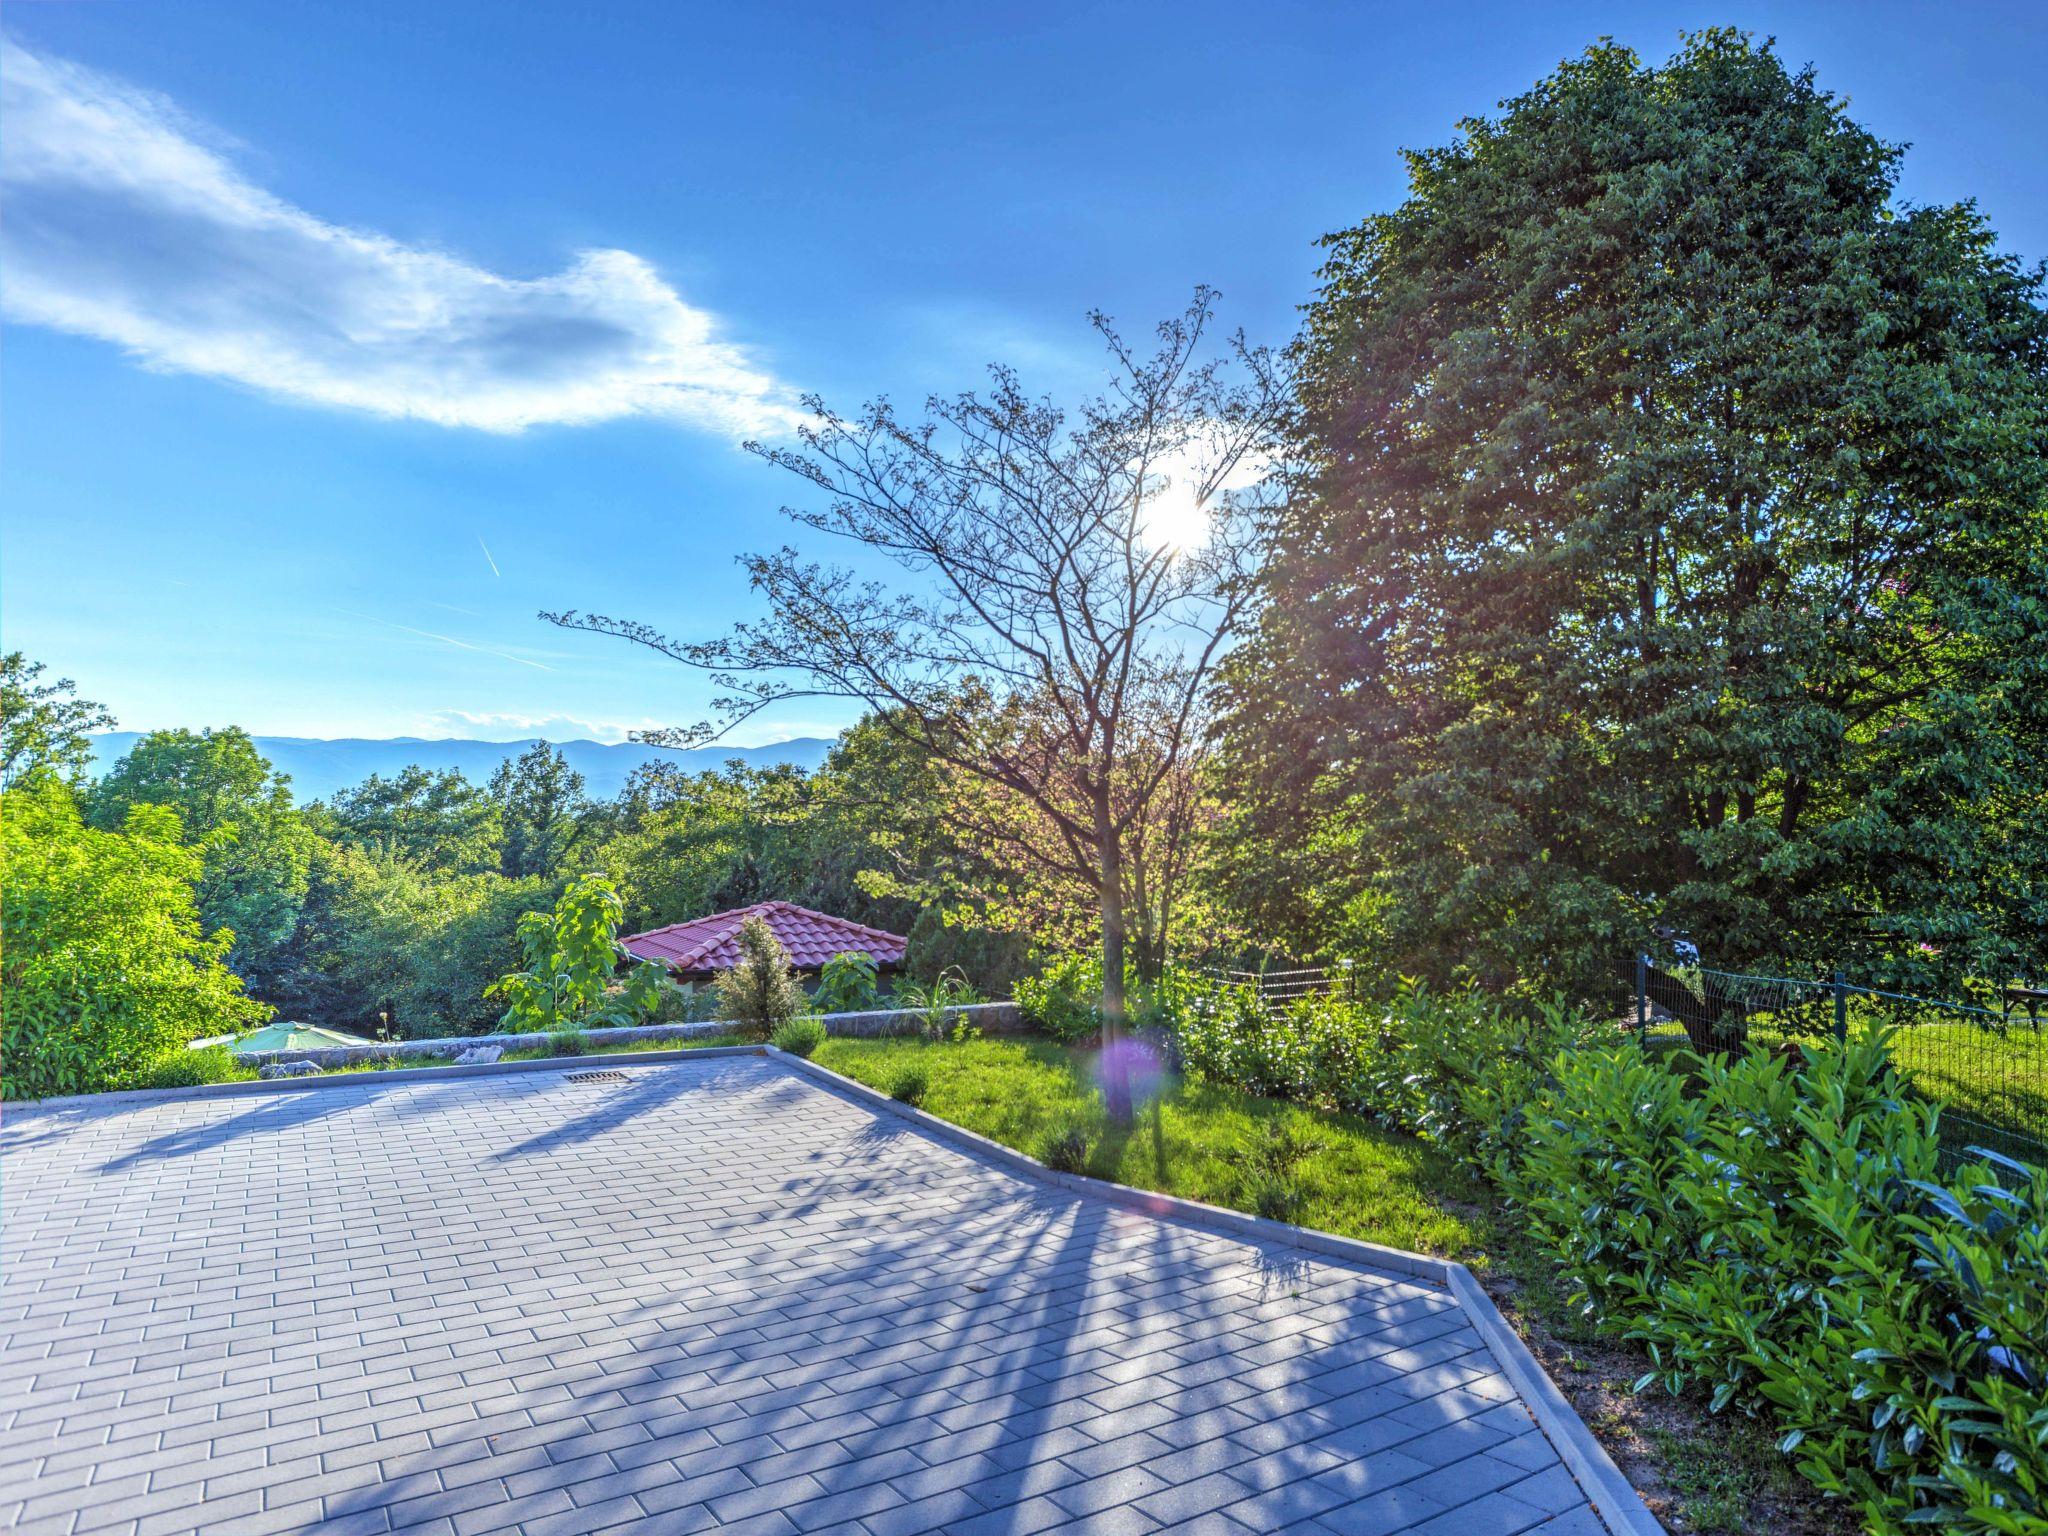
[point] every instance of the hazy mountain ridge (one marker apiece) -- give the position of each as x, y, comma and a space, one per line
319, 767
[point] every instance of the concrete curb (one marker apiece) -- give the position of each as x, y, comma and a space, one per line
991, 1018
378, 1077
1613, 1498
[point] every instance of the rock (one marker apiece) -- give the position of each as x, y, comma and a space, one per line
289, 1069
479, 1055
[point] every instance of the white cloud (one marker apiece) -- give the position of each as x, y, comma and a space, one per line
123, 224
500, 725
497, 725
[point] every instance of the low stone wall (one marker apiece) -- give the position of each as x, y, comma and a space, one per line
990, 1018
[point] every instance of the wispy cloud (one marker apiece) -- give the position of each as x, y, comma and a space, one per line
461, 645
125, 222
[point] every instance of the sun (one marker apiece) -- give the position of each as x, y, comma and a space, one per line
1175, 516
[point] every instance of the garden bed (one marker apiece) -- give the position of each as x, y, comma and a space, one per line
1698, 1472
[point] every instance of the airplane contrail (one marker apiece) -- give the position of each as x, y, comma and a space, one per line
465, 645
480, 544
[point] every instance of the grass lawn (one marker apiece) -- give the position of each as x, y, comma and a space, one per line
1361, 1181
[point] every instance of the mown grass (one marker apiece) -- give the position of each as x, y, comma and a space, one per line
1361, 1180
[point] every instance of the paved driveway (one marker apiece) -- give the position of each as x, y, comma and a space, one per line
708, 1296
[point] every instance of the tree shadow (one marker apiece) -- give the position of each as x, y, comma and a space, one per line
874, 1318
611, 1106
267, 1117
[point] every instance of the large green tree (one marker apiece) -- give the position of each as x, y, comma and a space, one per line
237, 810
543, 815
432, 818
1667, 551
108, 971
44, 726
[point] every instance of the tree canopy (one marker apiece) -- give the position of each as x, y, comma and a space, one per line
44, 727
1667, 552
108, 970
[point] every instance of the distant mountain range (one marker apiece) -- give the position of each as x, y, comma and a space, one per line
318, 768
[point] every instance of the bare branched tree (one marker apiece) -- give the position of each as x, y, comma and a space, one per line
1057, 627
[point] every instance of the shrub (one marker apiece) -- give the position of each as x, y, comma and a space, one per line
1065, 1148
760, 992
1775, 1231
567, 1042
108, 973
799, 1036
1315, 1049
190, 1068
673, 1004
846, 983
1779, 1237
1065, 999
911, 1084
571, 956
935, 1001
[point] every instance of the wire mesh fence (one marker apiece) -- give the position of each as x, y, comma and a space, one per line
1987, 1067
1277, 988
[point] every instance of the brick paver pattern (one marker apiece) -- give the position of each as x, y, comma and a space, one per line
715, 1297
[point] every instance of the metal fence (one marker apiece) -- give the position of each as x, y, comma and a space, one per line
1986, 1067
1277, 988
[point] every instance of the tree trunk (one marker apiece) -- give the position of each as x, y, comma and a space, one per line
1116, 1064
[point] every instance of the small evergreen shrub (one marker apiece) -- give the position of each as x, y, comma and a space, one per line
567, 1042
911, 1084
760, 992
1065, 1148
799, 1036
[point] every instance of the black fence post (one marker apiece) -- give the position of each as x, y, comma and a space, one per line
1841, 1010
1642, 1000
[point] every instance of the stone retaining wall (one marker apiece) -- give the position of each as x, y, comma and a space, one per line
990, 1018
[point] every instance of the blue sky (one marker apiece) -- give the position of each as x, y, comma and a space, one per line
311, 397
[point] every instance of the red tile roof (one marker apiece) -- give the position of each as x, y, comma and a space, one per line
713, 943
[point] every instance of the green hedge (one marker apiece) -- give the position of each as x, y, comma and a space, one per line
1775, 1231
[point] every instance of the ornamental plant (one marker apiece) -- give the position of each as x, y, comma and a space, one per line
1778, 1234
846, 983
572, 956
760, 992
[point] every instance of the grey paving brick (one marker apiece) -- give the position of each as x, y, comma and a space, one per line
715, 1298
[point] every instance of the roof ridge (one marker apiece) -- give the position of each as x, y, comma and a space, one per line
714, 937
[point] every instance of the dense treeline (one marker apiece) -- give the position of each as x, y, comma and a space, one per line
395, 902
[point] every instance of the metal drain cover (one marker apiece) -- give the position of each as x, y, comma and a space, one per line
596, 1077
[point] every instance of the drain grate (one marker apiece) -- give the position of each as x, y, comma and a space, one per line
596, 1077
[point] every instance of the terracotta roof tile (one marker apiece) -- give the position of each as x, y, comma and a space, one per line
713, 943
